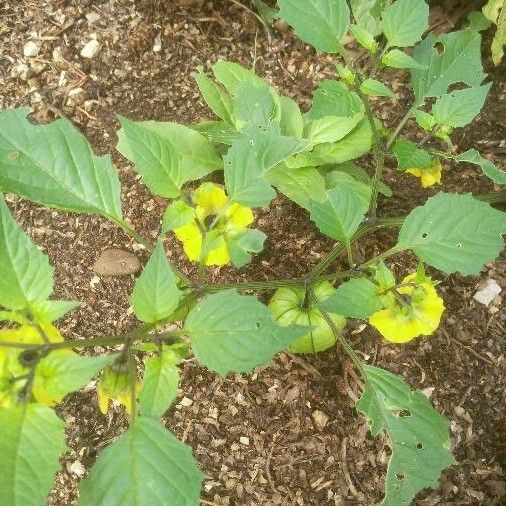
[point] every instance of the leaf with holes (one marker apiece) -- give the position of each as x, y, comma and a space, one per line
489, 169
447, 59
459, 108
321, 23
234, 333
146, 465
419, 435
31, 441
454, 233
404, 22
53, 164
26, 276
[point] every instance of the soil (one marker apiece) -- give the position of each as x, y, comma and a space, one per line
259, 439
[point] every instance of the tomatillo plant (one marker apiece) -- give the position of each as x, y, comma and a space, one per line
262, 144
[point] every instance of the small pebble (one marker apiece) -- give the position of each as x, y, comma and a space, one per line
488, 293
244, 440
320, 419
91, 48
31, 49
185, 402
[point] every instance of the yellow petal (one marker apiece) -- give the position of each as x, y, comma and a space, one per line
239, 216
210, 198
191, 237
429, 176
218, 256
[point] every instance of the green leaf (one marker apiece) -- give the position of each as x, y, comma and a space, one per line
268, 14
231, 75
167, 155
242, 244
216, 98
48, 311
54, 165
146, 466
404, 22
62, 372
410, 156
26, 274
177, 214
357, 298
331, 128
247, 161
339, 178
375, 88
234, 333
340, 215
367, 14
301, 184
478, 21
364, 38
454, 233
398, 59
459, 108
155, 295
450, 58
419, 435
291, 122
360, 175
489, 169
255, 105
321, 23
333, 98
424, 120
160, 383
218, 132
31, 442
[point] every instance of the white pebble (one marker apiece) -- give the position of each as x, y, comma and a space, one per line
91, 48
31, 49
488, 293
244, 440
185, 402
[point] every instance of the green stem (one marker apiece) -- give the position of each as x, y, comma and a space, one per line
400, 126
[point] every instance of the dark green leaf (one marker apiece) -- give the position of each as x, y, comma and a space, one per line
375, 88
242, 244
404, 22
409, 156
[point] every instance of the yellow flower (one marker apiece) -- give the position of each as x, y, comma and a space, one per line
212, 210
429, 176
115, 384
418, 315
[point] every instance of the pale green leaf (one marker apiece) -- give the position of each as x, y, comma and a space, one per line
375, 88
459, 108
26, 274
398, 59
31, 442
231, 75
449, 58
424, 120
165, 154
499, 40
454, 233
241, 244
364, 38
360, 175
160, 383
218, 132
340, 178
489, 169
268, 14
321, 23
357, 298
219, 101
367, 14
301, 184
410, 156
291, 122
340, 215
333, 98
419, 436
404, 22
478, 21
249, 158
255, 105
48, 311
331, 128
62, 372
177, 214
234, 333
147, 465
155, 295
53, 164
